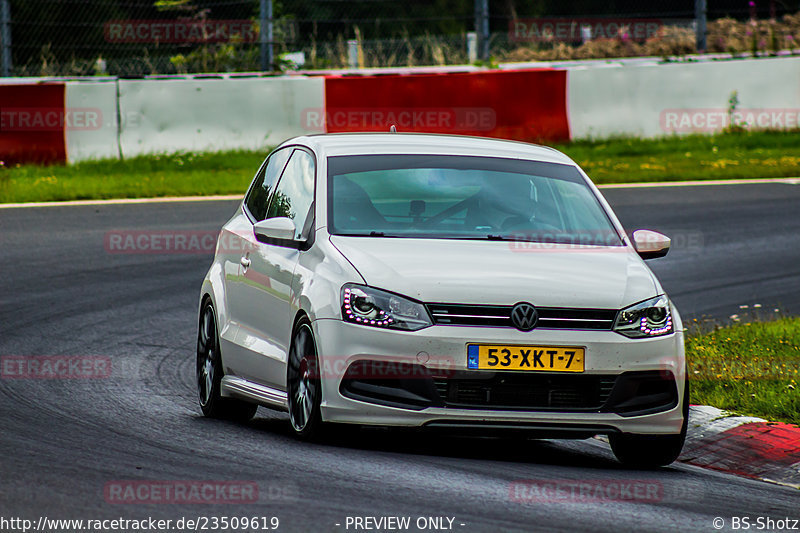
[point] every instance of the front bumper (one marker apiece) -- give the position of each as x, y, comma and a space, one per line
441, 350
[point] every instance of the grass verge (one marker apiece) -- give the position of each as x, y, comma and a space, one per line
185, 174
749, 368
696, 157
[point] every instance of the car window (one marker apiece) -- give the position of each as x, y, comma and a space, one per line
464, 197
294, 196
264, 182
573, 200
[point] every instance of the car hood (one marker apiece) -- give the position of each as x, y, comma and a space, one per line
503, 273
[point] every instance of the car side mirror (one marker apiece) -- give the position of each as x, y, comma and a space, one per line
650, 244
281, 228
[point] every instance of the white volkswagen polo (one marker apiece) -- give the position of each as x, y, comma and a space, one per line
446, 282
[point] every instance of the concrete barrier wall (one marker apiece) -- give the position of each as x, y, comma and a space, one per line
526, 105
113, 118
657, 100
32, 123
213, 114
93, 129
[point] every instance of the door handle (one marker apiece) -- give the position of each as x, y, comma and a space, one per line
245, 262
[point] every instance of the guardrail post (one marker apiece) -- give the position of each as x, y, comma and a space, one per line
352, 53
472, 47
5, 38
265, 34
700, 24
482, 28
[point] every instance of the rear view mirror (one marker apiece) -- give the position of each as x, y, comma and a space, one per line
281, 228
650, 244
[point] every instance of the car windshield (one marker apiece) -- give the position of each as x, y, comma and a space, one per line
464, 197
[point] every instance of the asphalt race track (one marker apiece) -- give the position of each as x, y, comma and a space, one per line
63, 441
733, 245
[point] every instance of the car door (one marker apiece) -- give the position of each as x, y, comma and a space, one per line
267, 275
236, 244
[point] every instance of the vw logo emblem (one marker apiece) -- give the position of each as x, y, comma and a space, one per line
524, 316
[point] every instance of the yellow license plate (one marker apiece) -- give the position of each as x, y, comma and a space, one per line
533, 358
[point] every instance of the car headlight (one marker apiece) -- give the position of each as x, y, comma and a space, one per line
381, 309
650, 318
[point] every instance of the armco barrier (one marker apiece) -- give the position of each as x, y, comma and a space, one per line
213, 114
32, 123
527, 105
657, 100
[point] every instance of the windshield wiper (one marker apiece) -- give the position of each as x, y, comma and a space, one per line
478, 237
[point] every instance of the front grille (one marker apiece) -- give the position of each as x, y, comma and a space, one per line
499, 316
415, 387
512, 390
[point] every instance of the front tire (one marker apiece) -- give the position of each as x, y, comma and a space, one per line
209, 373
304, 384
650, 451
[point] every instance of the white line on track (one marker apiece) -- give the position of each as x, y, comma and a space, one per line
788, 181
166, 199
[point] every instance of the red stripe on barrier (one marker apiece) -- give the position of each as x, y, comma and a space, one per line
32, 123
525, 105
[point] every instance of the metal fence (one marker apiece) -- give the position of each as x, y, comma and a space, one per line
131, 38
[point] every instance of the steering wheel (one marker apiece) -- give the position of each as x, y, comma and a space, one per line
453, 209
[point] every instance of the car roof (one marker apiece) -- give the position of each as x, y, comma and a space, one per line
337, 144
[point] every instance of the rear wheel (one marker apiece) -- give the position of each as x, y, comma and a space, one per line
209, 372
649, 451
304, 385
